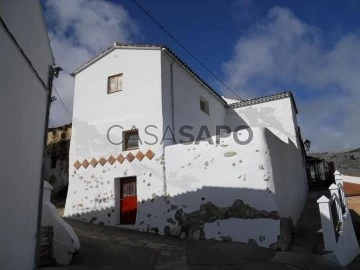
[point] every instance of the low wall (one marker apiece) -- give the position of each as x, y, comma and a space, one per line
289, 177
225, 191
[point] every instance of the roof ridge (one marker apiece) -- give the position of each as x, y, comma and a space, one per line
263, 99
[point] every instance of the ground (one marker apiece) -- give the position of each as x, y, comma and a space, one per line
109, 248
114, 248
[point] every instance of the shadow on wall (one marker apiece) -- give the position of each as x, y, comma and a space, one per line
170, 216
356, 222
289, 176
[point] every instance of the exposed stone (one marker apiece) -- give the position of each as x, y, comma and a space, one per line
172, 221
206, 163
230, 154
175, 231
252, 242
167, 230
155, 229
196, 235
208, 213
261, 167
226, 238
174, 207
182, 235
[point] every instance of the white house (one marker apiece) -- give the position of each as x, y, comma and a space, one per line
126, 168
25, 65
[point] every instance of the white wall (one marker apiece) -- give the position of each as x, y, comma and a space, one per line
289, 176
197, 174
278, 116
22, 114
95, 112
187, 93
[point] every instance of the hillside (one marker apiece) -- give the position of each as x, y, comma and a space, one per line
347, 162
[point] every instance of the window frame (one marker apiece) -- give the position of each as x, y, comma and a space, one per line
206, 105
126, 136
120, 75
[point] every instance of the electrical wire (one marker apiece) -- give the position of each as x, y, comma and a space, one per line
185, 49
62, 102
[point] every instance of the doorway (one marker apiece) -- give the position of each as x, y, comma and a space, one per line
128, 200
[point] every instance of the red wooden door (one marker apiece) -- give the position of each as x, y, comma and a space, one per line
128, 201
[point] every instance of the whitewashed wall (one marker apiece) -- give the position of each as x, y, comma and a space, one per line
92, 191
187, 93
22, 112
289, 176
202, 173
226, 192
278, 116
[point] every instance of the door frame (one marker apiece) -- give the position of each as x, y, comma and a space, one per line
117, 196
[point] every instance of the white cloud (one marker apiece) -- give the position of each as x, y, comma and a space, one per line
79, 30
283, 50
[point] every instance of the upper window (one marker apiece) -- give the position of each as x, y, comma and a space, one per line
115, 83
131, 139
204, 105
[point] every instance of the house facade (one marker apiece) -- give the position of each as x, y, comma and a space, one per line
155, 148
26, 61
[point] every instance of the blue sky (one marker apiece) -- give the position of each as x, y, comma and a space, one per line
255, 47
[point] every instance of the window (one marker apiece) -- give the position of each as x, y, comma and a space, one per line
204, 105
131, 139
53, 163
115, 83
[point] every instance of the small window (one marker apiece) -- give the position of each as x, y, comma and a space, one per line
115, 83
131, 139
53, 163
204, 105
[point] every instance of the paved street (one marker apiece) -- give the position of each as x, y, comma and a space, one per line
113, 248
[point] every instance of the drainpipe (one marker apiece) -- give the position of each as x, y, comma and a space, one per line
172, 98
53, 72
172, 120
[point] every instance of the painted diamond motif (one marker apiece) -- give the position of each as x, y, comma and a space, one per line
93, 162
85, 163
130, 157
77, 164
120, 158
140, 156
102, 161
111, 159
150, 154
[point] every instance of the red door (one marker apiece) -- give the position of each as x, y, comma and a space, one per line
128, 200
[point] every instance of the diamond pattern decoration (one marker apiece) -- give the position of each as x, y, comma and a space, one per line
85, 163
77, 164
102, 161
130, 157
93, 162
120, 158
111, 159
140, 156
150, 154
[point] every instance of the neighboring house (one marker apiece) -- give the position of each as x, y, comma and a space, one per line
57, 157
26, 74
125, 172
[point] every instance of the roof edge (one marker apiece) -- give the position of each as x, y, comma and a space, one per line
266, 99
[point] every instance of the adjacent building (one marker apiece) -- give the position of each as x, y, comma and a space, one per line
25, 83
155, 148
57, 158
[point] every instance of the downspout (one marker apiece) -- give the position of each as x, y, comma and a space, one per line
172, 99
53, 72
172, 122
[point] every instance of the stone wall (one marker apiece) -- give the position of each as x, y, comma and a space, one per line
57, 157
